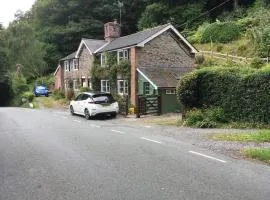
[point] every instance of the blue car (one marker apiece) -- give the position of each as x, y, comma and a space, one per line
40, 90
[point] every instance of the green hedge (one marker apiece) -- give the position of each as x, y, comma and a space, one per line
243, 93
222, 32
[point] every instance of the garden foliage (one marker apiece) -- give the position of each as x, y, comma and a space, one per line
242, 93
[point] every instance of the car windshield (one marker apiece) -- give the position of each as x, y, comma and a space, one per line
41, 88
103, 98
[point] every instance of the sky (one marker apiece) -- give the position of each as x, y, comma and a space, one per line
9, 7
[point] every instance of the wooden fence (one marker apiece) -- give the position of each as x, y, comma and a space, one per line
228, 57
148, 105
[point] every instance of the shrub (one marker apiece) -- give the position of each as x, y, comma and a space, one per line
70, 94
58, 94
199, 59
29, 96
242, 93
85, 89
222, 32
197, 36
256, 63
45, 80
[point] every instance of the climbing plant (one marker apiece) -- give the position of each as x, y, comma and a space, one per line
111, 70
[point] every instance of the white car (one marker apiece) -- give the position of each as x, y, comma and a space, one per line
93, 104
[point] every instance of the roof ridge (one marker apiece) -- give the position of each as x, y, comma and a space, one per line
165, 25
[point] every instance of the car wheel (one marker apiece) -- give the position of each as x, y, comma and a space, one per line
113, 115
87, 114
71, 110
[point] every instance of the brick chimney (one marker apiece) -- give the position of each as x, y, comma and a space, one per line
112, 30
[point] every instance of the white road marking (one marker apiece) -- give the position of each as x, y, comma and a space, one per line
95, 126
155, 141
147, 126
206, 156
76, 121
116, 131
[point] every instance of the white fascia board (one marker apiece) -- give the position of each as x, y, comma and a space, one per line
122, 48
147, 78
101, 47
141, 44
79, 49
193, 50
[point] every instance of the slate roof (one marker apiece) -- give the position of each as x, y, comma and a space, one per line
93, 45
70, 56
133, 39
166, 77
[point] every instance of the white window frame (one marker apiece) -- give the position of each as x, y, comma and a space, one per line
125, 55
146, 92
75, 64
170, 91
103, 59
105, 86
75, 84
122, 90
66, 65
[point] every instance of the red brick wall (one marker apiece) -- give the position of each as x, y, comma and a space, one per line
58, 79
133, 78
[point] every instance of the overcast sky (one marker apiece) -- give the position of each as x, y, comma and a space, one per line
9, 7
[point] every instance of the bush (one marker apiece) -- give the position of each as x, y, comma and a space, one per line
45, 80
70, 94
58, 94
242, 93
222, 32
205, 118
256, 63
197, 36
85, 89
29, 96
199, 59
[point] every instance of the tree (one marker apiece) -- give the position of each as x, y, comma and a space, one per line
24, 49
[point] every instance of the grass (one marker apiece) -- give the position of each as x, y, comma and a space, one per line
174, 120
260, 136
259, 154
241, 47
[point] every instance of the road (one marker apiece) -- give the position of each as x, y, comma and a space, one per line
50, 155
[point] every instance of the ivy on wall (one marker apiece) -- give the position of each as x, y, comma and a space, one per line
111, 71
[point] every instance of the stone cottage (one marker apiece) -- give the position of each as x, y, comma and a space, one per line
158, 58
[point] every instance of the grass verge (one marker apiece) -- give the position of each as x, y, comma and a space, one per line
164, 120
259, 154
260, 136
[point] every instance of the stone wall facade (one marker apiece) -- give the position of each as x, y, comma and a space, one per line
165, 51
83, 73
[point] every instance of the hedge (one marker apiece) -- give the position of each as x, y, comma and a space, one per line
222, 32
243, 93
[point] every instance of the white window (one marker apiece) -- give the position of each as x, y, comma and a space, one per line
105, 86
146, 88
103, 59
172, 91
66, 84
75, 84
71, 65
75, 64
66, 65
122, 54
122, 87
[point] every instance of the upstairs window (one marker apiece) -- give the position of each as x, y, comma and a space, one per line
122, 87
122, 54
105, 86
66, 65
75, 64
71, 65
103, 59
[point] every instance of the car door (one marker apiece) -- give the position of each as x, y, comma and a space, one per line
77, 103
84, 102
